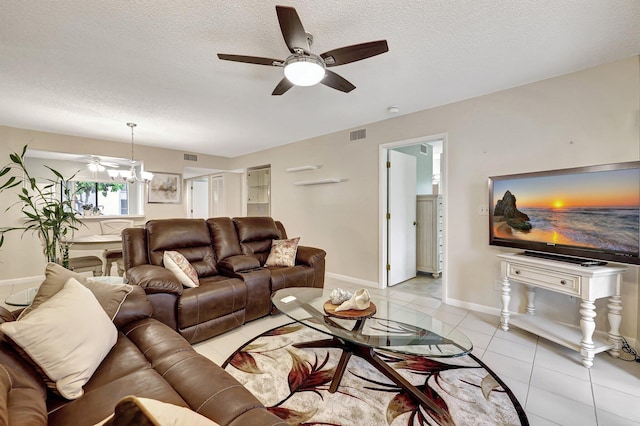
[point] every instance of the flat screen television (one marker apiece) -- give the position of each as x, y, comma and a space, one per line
581, 213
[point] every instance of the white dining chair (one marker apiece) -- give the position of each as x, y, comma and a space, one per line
114, 227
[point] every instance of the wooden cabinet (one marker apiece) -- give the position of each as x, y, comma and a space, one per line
586, 283
429, 234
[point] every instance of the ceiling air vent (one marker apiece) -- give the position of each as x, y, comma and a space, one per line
190, 157
357, 134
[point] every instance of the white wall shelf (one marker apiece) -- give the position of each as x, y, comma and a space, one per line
301, 169
317, 182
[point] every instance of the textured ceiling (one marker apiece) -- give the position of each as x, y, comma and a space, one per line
86, 67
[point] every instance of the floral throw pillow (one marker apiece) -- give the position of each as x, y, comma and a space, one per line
180, 266
283, 252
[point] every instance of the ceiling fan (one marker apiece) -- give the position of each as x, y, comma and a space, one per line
303, 68
95, 164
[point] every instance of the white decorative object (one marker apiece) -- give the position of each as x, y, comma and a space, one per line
360, 301
338, 296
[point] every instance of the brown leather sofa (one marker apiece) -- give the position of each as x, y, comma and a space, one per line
149, 360
228, 255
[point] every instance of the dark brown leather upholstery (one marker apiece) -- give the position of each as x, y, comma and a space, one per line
148, 360
228, 255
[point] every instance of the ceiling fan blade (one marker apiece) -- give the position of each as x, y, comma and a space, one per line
282, 87
292, 29
355, 52
334, 81
251, 59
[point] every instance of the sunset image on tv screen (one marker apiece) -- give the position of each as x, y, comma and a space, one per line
593, 210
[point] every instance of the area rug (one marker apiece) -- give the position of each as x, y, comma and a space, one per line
294, 384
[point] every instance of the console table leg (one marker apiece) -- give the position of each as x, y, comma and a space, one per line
505, 296
588, 326
615, 318
531, 299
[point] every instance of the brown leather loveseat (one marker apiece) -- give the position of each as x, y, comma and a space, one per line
148, 360
228, 256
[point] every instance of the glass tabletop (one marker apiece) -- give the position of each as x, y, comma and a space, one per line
22, 298
392, 327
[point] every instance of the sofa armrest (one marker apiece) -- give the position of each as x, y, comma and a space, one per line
309, 256
135, 307
238, 263
154, 279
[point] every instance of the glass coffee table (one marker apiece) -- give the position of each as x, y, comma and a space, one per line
386, 326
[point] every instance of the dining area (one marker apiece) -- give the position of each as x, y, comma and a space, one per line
108, 242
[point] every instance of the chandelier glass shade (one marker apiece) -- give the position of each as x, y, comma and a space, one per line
131, 175
304, 70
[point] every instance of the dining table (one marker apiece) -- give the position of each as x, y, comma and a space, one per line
95, 242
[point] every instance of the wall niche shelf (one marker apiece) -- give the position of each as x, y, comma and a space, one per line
301, 169
317, 182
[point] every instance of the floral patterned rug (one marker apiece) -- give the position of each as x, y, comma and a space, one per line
294, 384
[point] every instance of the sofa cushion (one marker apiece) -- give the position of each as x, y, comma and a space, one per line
215, 297
21, 401
283, 252
294, 276
180, 266
110, 296
224, 236
190, 237
67, 336
255, 235
150, 412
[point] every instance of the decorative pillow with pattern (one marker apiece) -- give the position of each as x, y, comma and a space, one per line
283, 252
67, 337
182, 269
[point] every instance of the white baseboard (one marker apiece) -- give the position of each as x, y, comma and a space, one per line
359, 281
473, 307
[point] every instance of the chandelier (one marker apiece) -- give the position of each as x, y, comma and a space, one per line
130, 175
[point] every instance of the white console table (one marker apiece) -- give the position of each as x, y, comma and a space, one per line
587, 283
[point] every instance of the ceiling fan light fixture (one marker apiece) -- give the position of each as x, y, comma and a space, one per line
304, 70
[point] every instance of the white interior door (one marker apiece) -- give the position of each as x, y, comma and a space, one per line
199, 198
401, 214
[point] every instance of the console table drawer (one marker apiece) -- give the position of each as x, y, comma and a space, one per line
553, 280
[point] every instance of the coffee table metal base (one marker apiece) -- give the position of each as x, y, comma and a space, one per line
368, 354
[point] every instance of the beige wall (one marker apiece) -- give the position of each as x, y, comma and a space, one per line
584, 118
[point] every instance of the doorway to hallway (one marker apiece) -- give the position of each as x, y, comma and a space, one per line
430, 185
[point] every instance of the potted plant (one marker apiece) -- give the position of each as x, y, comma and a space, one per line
47, 209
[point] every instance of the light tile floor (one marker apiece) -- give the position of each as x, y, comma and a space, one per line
548, 379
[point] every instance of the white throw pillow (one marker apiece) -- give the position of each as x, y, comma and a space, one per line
180, 266
67, 336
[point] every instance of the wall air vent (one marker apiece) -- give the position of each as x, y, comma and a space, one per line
357, 134
424, 149
190, 157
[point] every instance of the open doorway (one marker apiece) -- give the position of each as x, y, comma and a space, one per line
430, 201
